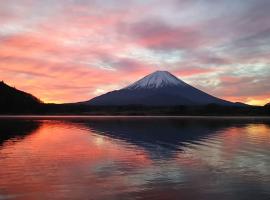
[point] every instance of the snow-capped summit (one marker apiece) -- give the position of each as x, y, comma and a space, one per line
160, 88
158, 79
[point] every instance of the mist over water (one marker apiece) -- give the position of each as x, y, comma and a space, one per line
134, 158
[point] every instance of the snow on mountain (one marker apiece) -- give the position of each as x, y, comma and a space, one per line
158, 79
160, 88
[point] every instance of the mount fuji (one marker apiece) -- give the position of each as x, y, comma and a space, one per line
160, 88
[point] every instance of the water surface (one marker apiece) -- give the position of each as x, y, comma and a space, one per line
134, 158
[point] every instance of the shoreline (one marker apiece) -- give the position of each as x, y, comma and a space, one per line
132, 116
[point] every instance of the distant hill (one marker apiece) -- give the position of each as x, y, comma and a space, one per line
160, 88
13, 100
267, 105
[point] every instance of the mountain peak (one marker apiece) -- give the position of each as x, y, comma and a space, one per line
157, 79
159, 88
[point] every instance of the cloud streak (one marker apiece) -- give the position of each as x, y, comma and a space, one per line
69, 51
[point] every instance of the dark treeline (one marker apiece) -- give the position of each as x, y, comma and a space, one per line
79, 109
13, 101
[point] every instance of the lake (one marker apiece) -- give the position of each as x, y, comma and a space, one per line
107, 158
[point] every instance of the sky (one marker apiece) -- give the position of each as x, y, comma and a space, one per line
72, 50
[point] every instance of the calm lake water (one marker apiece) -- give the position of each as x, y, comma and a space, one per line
134, 158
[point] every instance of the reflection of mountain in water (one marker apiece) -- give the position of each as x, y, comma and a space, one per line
16, 128
161, 137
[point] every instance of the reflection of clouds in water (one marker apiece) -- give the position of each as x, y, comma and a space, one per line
235, 150
113, 158
14, 130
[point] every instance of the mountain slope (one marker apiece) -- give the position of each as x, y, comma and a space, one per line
158, 79
160, 88
13, 100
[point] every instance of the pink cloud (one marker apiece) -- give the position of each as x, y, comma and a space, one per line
191, 71
159, 35
64, 49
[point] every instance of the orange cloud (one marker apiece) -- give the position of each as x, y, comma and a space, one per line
71, 51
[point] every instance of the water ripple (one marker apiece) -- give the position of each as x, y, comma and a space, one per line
134, 159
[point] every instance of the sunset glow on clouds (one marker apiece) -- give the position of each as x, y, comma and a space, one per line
70, 51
